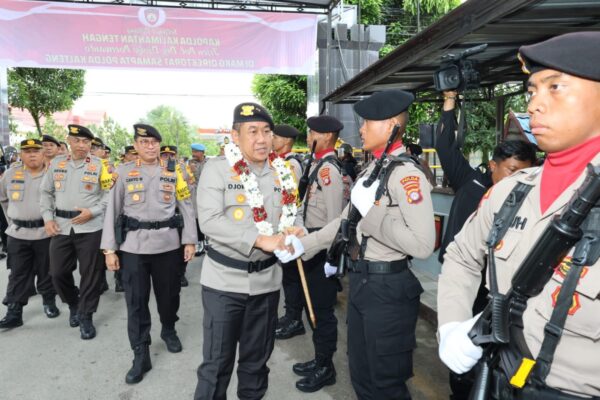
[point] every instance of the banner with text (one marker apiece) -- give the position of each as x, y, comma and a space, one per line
73, 35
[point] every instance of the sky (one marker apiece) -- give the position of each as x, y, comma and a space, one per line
205, 99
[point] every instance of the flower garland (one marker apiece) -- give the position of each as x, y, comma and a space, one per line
255, 197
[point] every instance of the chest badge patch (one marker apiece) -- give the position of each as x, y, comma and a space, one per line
240, 198
412, 187
16, 196
238, 214
575, 305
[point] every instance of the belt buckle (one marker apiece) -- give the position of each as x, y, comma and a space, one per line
252, 267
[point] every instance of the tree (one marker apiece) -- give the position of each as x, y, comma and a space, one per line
43, 91
113, 135
173, 127
285, 97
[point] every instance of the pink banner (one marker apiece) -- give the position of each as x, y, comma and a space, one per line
73, 35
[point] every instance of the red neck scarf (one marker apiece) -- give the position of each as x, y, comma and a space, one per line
395, 146
321, 154
562, 168
284, 155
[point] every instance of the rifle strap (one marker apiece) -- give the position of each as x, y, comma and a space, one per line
587, 252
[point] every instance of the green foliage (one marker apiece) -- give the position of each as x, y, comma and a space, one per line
285, 98
370, 11
420, 113
43, 91
114, 136
212, 147
431, 7
173, 127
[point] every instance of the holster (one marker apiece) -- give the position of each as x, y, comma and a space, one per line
120, 230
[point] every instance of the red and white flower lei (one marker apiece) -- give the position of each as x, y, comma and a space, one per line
255, 197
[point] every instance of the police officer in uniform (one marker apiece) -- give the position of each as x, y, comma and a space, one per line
74, 193
240, 278
564, 90
284, 137
28, 242
130, 154
51, 148
142, 223
383, 302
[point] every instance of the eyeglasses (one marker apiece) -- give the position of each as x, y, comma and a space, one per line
80, 140
148, 142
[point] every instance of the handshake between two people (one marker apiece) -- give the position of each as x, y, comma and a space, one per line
286, 246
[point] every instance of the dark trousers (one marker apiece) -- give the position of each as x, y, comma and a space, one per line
29, 258
229, 319
141, 272
323, 294
85, 247
382, 317
292, 291
3, 227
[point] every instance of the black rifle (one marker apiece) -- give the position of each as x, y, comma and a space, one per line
303, 183
337, 253
503, 312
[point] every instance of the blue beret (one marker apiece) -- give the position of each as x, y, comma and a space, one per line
198, 147
573, 53
384, 105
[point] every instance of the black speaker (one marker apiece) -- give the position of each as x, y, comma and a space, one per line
427, 135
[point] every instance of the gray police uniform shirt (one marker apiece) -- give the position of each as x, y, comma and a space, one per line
69, 184
226, 219
20, 198
295, 165
401, 224
147, 193
325, 196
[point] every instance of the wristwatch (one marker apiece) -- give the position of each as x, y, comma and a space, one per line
106, 252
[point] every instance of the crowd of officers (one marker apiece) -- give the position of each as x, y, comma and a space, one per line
142, 219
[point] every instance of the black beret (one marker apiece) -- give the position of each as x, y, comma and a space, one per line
31, 144
130, 148
324, 124
65, 143
51, 139
573, 53
143, 130
384, 105
168, 149
97, 142
286, 131
107, 149
80, 131
248, 112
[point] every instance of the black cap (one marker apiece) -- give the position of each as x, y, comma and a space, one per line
324, 124
31, 144
384, 105
143, 130
286, 131
130, 149
51, 139
107, 149
80, 131
65, 143
249, 112
96, 141
168, 149
573, 53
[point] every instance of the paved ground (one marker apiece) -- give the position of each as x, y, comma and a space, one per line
46, 360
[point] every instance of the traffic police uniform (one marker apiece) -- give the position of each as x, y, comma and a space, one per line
240, 283
28, 242
142, 203
70, 183
324, 202
574, 371
383, 302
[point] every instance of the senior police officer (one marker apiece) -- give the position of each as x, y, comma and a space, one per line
564, 90
28, 242
74, 193
142, 223
384, 295
323, 203
243, 199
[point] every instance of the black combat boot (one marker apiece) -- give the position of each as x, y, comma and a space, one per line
73, 316
86, 327
323, 375
184, 281
288, 328
118, 282
50, 308
169, 335
13, 318
141, 364
305, 368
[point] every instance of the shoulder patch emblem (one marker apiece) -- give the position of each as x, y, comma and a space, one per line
412, 187
324, 174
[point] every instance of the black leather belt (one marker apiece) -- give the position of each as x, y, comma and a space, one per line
67, 214
378, 267
250, 266
311, 230
36, 223
132, 224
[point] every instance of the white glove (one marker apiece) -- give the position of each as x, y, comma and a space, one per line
363, 198
329, 269
284, 255
457, 350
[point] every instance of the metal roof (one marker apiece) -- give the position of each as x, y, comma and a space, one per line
503, 25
